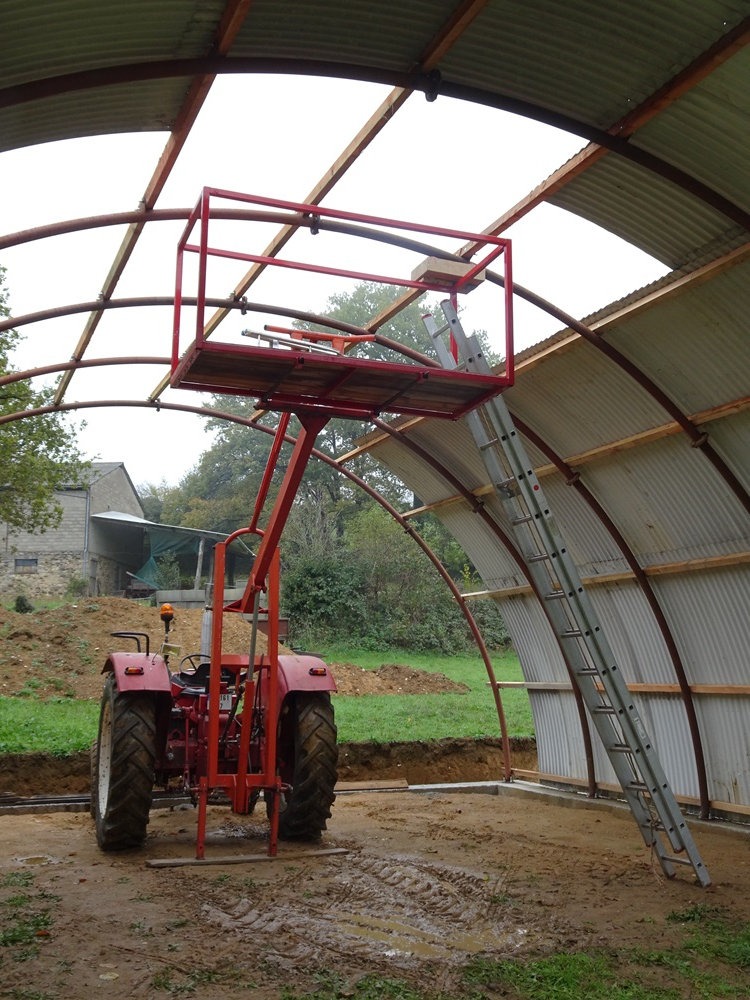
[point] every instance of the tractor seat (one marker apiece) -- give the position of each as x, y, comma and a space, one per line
196, 681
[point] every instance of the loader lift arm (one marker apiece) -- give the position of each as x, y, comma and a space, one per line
316, 376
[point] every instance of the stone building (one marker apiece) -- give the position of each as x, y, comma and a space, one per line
85, 551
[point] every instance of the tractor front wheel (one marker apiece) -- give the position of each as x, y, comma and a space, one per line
125, 754
308, 757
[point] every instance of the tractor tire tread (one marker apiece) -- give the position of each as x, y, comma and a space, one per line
309, 806
131, 782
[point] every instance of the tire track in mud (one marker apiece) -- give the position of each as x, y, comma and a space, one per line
398, 912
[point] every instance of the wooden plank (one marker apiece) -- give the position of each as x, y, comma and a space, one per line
242, 859
635, 688
665, 569
684, 800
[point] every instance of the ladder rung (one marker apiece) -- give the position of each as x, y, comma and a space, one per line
603, 710
522, 520
678, 861
489, 444
555, 595
619, 748
638, 786
576, 633
538, 557
503, 484
588, 672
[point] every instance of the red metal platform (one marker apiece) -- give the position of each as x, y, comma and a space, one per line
333, 381
335, 384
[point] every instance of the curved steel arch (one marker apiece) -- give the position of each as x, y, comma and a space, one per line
698, 438
432, 84
243, 421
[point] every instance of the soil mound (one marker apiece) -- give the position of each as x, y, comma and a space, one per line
61, 651
392, 678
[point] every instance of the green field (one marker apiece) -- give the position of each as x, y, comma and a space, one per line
62, 726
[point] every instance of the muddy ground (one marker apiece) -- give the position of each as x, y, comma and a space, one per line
427, 882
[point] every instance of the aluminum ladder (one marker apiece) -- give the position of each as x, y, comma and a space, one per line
557, 582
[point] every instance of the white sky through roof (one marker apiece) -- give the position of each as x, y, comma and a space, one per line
445, 163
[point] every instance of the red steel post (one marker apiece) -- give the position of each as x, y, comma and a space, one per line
312, 425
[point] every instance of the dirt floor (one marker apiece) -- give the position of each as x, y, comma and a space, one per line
425, 881
428, 881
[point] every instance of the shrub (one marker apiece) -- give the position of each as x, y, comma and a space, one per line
77, 587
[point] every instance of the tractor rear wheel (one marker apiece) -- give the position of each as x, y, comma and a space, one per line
125, 766
308, 759
94, 766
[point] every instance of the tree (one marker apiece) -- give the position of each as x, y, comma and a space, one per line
152, 497
38, 455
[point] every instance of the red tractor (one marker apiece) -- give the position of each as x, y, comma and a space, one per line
233, 726
155, 727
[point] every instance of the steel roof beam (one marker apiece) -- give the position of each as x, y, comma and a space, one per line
230, 23
428, 83
438, 46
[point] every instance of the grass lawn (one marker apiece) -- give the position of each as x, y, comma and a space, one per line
387, 718
62, 726
59, 726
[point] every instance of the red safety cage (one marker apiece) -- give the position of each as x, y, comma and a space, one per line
309, 375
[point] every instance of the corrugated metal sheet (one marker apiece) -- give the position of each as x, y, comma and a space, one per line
578, 400
650, 212
632, 633
493, 562
559, 741
730, 437
372, 33
705, 132
666, 722
534, 641
51, 38
669, 502
725, 724
75, 35
135, 107
695, 345
427, 484
708, 612
620, 52
592, 546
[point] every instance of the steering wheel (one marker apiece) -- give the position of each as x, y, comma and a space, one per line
194, 660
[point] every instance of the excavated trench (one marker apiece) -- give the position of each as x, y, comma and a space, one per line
433, 762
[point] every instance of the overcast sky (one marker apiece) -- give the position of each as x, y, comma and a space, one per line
444, 163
